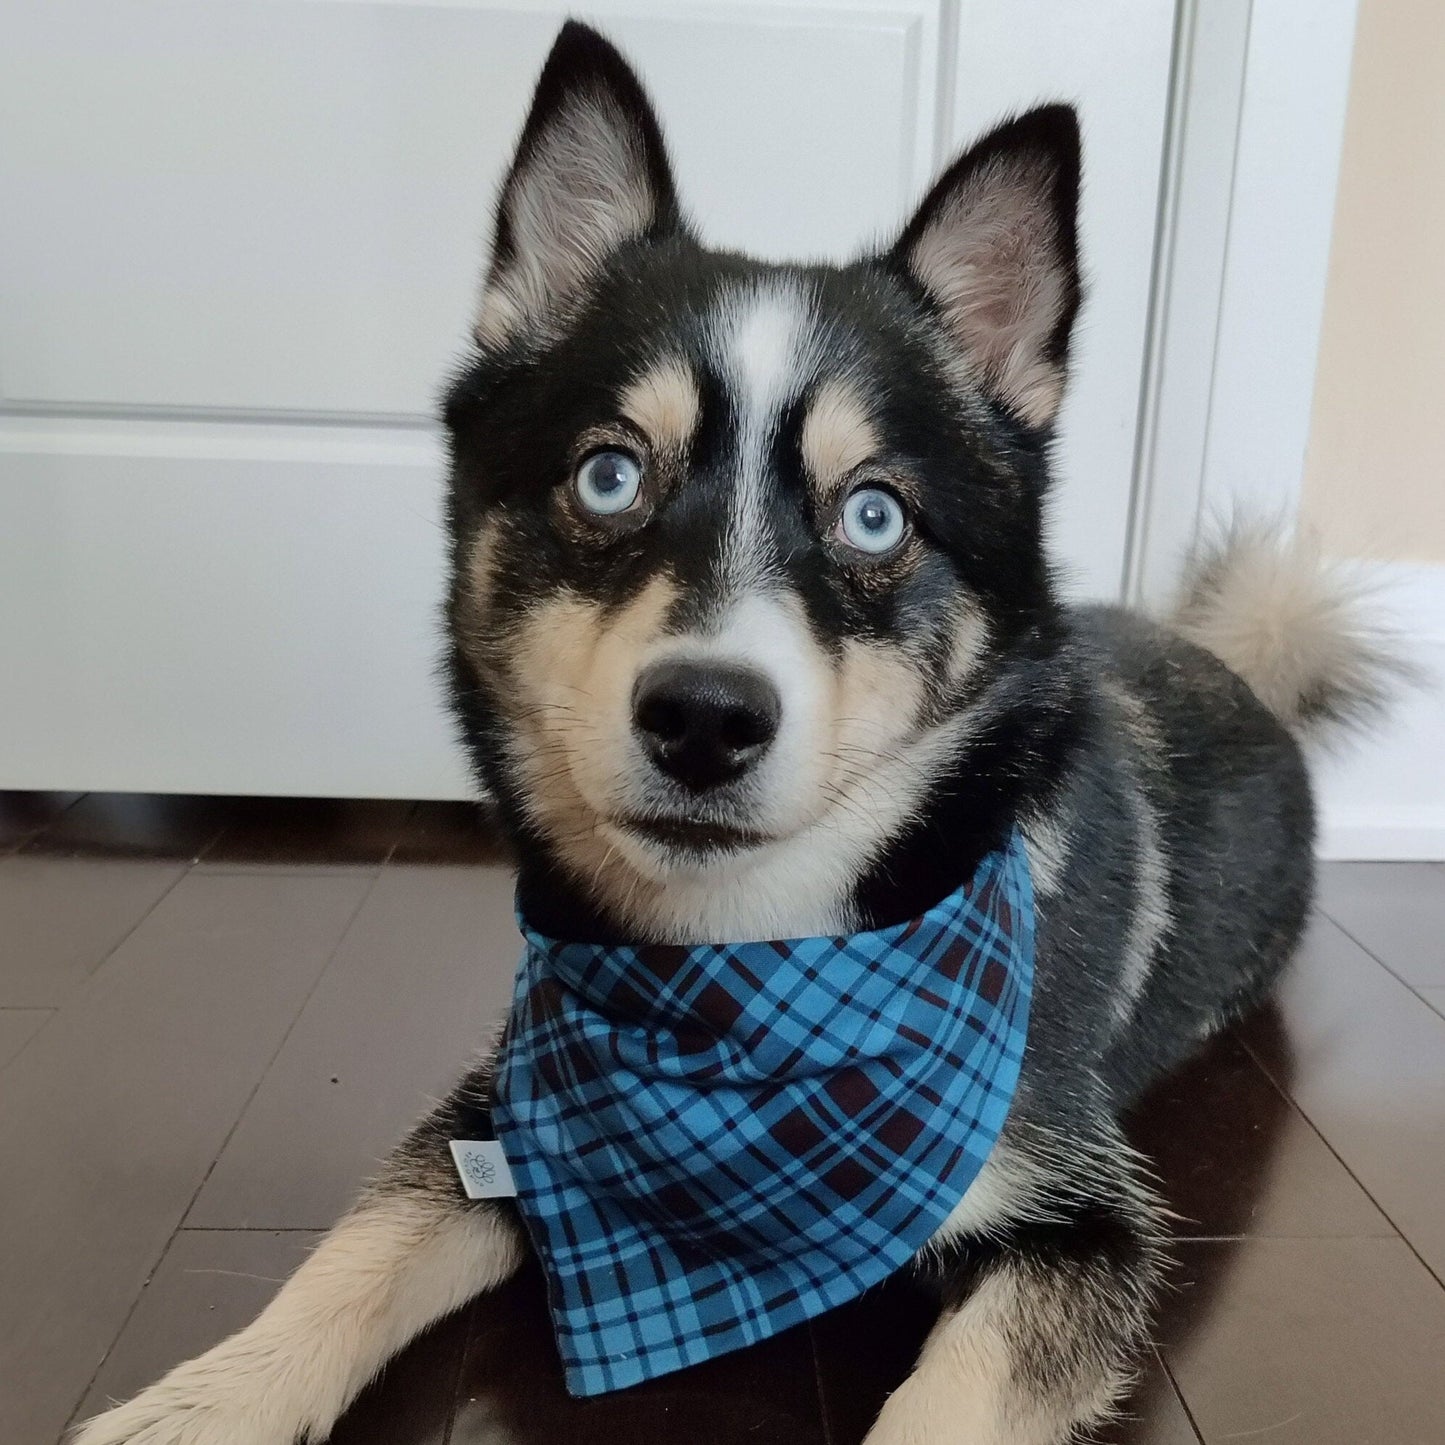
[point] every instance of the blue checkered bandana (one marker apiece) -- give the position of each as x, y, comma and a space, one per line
711, 1144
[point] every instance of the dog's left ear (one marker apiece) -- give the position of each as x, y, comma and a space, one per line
590, 174
995, 247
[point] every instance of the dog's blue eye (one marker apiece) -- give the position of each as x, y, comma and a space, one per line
872, 521
608, 482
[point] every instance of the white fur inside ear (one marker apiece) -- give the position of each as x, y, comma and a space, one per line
580, 192
991, 258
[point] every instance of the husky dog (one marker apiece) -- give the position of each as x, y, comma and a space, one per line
753, 635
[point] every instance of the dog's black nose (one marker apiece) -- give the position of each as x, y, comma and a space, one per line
704, 723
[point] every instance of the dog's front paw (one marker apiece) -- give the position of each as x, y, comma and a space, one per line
143, 1422
928, 1410
193, 1407
152, 1419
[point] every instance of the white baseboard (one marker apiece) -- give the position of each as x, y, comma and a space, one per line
1382, 796
1382, 836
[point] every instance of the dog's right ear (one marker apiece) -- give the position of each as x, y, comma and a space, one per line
995, 247
590, 174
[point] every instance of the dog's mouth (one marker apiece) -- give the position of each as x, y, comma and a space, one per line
688, 835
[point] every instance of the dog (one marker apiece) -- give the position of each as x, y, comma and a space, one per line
753, 635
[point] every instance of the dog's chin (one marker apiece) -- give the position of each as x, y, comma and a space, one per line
659, 847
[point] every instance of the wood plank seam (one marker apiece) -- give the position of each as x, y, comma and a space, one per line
1416, 989
1179, 1395
1324, 1139
71, 1421
88, 981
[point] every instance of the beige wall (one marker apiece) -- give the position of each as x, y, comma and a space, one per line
1375, 471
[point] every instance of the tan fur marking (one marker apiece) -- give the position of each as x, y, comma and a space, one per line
965, 1387
663, 403
481, 568
381, 1276
878, 699
1007, 1189
969, 637
475, 632
571, 689
838, 435
956, 1391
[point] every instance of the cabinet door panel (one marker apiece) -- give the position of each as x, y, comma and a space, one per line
202, 608
281, 207
1111, 58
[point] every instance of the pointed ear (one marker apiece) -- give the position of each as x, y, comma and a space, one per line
590, 174
995, 247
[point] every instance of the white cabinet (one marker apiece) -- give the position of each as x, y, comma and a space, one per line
239, 247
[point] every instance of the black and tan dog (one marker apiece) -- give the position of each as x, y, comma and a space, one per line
754, 636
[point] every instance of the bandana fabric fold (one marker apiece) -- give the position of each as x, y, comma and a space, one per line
714, 1143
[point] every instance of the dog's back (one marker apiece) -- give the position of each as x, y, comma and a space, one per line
1189, 814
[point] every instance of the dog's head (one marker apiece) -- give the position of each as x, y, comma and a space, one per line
740, 547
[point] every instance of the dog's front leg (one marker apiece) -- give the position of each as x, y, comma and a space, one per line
412, 1250
1044, 1320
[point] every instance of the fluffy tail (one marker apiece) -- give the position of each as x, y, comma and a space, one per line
1294, 627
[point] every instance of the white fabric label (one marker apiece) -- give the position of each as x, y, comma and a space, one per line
483, 1168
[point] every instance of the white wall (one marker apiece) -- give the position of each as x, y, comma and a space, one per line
1375, 469
1374, 475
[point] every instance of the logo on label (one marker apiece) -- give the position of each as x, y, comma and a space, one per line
483, 1169
480, 1167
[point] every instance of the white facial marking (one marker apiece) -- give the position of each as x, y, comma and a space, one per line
766, 632
766, 350
843, 774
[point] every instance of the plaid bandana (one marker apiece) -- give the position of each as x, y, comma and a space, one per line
712, 1144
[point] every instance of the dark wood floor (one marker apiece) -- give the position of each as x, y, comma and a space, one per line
215, 1016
